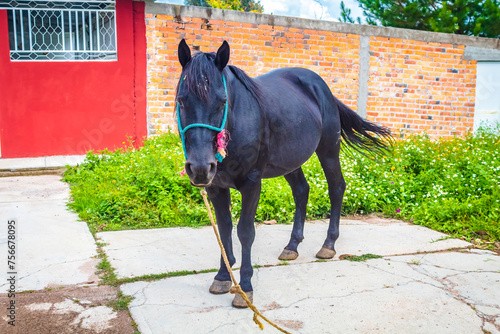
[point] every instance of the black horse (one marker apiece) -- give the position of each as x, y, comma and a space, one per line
276, 122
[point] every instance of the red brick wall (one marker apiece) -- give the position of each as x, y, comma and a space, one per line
416, 86
413, 85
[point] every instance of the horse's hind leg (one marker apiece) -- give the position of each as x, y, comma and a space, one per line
221, 200
329, 158
300, 191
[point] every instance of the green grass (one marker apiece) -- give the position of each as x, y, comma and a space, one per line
450, 185
361, 258
104, 269
121, 302
416, 262
156, 277
321, 260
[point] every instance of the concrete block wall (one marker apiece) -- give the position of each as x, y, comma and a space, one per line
408, 80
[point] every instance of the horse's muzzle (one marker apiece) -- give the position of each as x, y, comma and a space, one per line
201, 175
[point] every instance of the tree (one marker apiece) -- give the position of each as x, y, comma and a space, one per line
478, 18
252, 6
241, 5
202, 3
467, 17
345, 14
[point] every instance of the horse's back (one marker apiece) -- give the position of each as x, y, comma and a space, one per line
289, 72
296, 102
299, 86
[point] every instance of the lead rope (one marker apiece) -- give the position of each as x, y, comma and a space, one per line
236, 288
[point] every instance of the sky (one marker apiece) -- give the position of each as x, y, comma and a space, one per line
327, 10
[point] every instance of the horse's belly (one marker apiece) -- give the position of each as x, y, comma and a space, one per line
289, 152
295, 126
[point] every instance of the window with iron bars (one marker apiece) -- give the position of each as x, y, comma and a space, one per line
61, 30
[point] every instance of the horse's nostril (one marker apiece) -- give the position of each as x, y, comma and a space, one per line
189, 167
213, 166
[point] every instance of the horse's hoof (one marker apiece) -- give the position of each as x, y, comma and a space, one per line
288, 255
239, 302
220, 287
325, 253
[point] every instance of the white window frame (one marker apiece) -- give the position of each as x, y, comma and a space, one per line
62, 30
487, 106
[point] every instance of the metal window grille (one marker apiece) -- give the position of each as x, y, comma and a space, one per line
61, 30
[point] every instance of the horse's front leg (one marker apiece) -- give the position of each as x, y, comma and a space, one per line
250, 194
221, 200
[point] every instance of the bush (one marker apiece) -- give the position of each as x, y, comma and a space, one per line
451, 185
131, 189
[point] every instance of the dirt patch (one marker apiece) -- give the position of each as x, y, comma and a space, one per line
270, 222
345, 256
79, 310
291, 324
376, 219
272, 306
204, 310
32, 171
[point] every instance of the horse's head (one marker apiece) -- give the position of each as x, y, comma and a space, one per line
201, 109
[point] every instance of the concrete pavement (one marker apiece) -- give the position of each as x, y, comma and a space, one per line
144, 252
53, 247
451, 292
55, 288
409, 290
424, 283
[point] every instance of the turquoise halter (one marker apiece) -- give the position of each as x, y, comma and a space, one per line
200, 125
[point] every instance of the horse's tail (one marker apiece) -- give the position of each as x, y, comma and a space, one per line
360, 134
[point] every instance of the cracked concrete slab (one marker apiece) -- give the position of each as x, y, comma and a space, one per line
395, 294
53, 247
144, 252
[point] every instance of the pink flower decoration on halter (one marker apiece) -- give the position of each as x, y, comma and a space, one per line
222, 140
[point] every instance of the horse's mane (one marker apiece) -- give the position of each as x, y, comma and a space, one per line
250, 84
202, 68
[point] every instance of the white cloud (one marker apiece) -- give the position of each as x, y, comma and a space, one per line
314, 10
278, 7
328, 10
175, 2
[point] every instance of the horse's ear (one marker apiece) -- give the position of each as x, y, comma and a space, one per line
222, 56
184, 53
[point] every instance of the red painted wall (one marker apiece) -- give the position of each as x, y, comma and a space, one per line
67, 108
